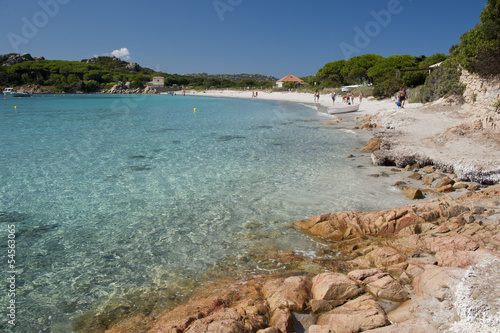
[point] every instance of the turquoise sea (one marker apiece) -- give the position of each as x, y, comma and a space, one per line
115, 198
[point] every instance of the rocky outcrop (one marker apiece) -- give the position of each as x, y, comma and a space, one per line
125, 88
358, 315
332, 289
291, 293
351, 224
466, 223
120, 88
16, 58
372, 145
133, 67
480, 91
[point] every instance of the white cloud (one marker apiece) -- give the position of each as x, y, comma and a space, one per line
122, 53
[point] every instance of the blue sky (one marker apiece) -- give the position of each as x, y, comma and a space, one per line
271, 37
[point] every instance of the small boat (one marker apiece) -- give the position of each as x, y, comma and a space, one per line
11, 92
343, 109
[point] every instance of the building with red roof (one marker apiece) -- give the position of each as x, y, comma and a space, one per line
289, 78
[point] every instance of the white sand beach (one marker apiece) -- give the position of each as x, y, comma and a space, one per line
297, 97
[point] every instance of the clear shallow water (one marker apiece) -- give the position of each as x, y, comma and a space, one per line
121, 195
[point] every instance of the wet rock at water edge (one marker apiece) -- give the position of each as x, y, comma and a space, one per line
413, 193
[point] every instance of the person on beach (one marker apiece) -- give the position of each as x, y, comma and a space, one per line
333, 97
360, 97
402, 97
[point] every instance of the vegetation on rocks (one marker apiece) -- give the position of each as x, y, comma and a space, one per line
88, 75
443, 82
478, 52
97, 74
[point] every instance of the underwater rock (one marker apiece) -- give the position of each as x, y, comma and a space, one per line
138, 168
13, 217
230, 137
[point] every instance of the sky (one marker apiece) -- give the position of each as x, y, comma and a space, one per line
270, 37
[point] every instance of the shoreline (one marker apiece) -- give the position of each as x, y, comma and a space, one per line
222, 294
423, 134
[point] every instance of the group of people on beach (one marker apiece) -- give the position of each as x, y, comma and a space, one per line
348, 98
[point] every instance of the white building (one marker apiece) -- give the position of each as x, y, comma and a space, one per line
158, 81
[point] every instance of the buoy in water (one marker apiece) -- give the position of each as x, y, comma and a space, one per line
194, 109
15, 107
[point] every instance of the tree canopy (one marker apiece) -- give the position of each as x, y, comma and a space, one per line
356, 69
93, 75
377, 70
331, 73
479, 48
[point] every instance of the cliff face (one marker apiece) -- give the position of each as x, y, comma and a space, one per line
481, 92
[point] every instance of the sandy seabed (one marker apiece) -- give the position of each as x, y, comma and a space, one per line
462, 139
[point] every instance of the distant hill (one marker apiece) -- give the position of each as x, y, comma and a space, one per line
101, 74
236, 77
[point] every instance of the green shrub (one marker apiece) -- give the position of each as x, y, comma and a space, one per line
414, 94
443, 82
387, 85
109, 85
497, 105
367, 91
91, 86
